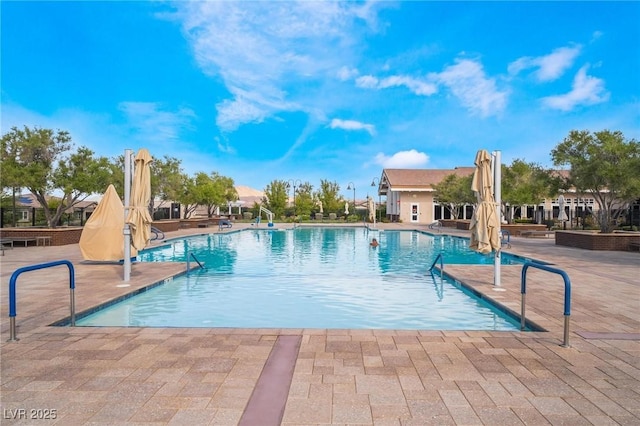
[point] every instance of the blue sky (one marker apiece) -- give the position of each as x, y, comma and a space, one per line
321, 90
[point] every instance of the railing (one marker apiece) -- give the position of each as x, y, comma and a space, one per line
506, 233
439, 257
157, 234
268, 213
190, 254
12, 292
567, 295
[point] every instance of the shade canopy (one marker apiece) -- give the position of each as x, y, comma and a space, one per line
102, 238
485, 223
139, 219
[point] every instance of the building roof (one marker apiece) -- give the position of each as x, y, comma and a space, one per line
417, 179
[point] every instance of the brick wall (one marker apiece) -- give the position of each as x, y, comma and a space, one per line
59, 236
596, 241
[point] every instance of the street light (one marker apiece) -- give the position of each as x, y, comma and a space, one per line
373, 183
350, 186
294, 184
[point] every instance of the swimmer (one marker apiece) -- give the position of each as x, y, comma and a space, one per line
374, 243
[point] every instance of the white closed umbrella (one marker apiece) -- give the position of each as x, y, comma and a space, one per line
346, 207
562, 215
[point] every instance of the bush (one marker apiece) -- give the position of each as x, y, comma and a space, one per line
353, 218
332, 216
247, 215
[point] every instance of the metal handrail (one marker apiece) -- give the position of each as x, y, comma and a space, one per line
190, 254
567, 295
438, 257
12, 292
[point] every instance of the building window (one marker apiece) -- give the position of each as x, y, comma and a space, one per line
24, 215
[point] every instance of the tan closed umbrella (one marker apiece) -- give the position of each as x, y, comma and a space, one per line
485, 225
139, 219
102, 238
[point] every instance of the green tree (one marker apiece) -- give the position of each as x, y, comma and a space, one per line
527, 184
275, 197
304, 203
46, 166
213, 191
187, 197
328, 195
604, 165
455, 192
167, 180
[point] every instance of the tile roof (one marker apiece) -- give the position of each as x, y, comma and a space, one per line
419, 178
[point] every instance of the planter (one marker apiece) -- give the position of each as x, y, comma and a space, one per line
593, 240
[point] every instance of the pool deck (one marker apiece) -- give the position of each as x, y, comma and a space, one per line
262, 377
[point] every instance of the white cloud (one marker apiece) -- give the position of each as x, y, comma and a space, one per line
417, 87
151, 122
259, 49
337, 123
468, 82
346, 73
549, 67
411, 159
586, 90
367, 82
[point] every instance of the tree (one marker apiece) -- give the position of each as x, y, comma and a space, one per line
167, 180
304, 199
527, 184
275, 197
37, 159
455, 192
187, 196
213, 191
328, 196
604, 165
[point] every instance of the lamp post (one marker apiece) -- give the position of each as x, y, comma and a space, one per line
350, 186
373, 183
294, 183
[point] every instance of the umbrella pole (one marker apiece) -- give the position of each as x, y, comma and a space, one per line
127, 198
497, 191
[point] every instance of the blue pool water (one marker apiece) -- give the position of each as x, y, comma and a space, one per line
311, 278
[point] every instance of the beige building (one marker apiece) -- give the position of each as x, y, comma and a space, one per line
411, 197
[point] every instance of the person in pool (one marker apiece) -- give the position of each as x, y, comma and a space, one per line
374, 243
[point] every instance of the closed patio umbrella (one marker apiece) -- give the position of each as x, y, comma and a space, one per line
139, 219
485, 225
562, 215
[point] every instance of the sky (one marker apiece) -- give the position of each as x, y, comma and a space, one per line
313, 90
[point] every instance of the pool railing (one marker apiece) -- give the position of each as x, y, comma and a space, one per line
567, 295
12, 292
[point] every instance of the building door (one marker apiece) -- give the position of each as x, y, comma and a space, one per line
415, 213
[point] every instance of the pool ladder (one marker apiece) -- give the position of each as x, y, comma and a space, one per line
438, 257
191, 255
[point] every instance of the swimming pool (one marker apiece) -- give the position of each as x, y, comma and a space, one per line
311, 278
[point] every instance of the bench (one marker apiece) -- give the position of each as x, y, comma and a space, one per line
25, 240
223, 223
537, 233
204, 225
4, 241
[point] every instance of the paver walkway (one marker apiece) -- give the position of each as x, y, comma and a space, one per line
200, 376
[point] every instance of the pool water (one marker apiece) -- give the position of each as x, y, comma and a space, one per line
311, 278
